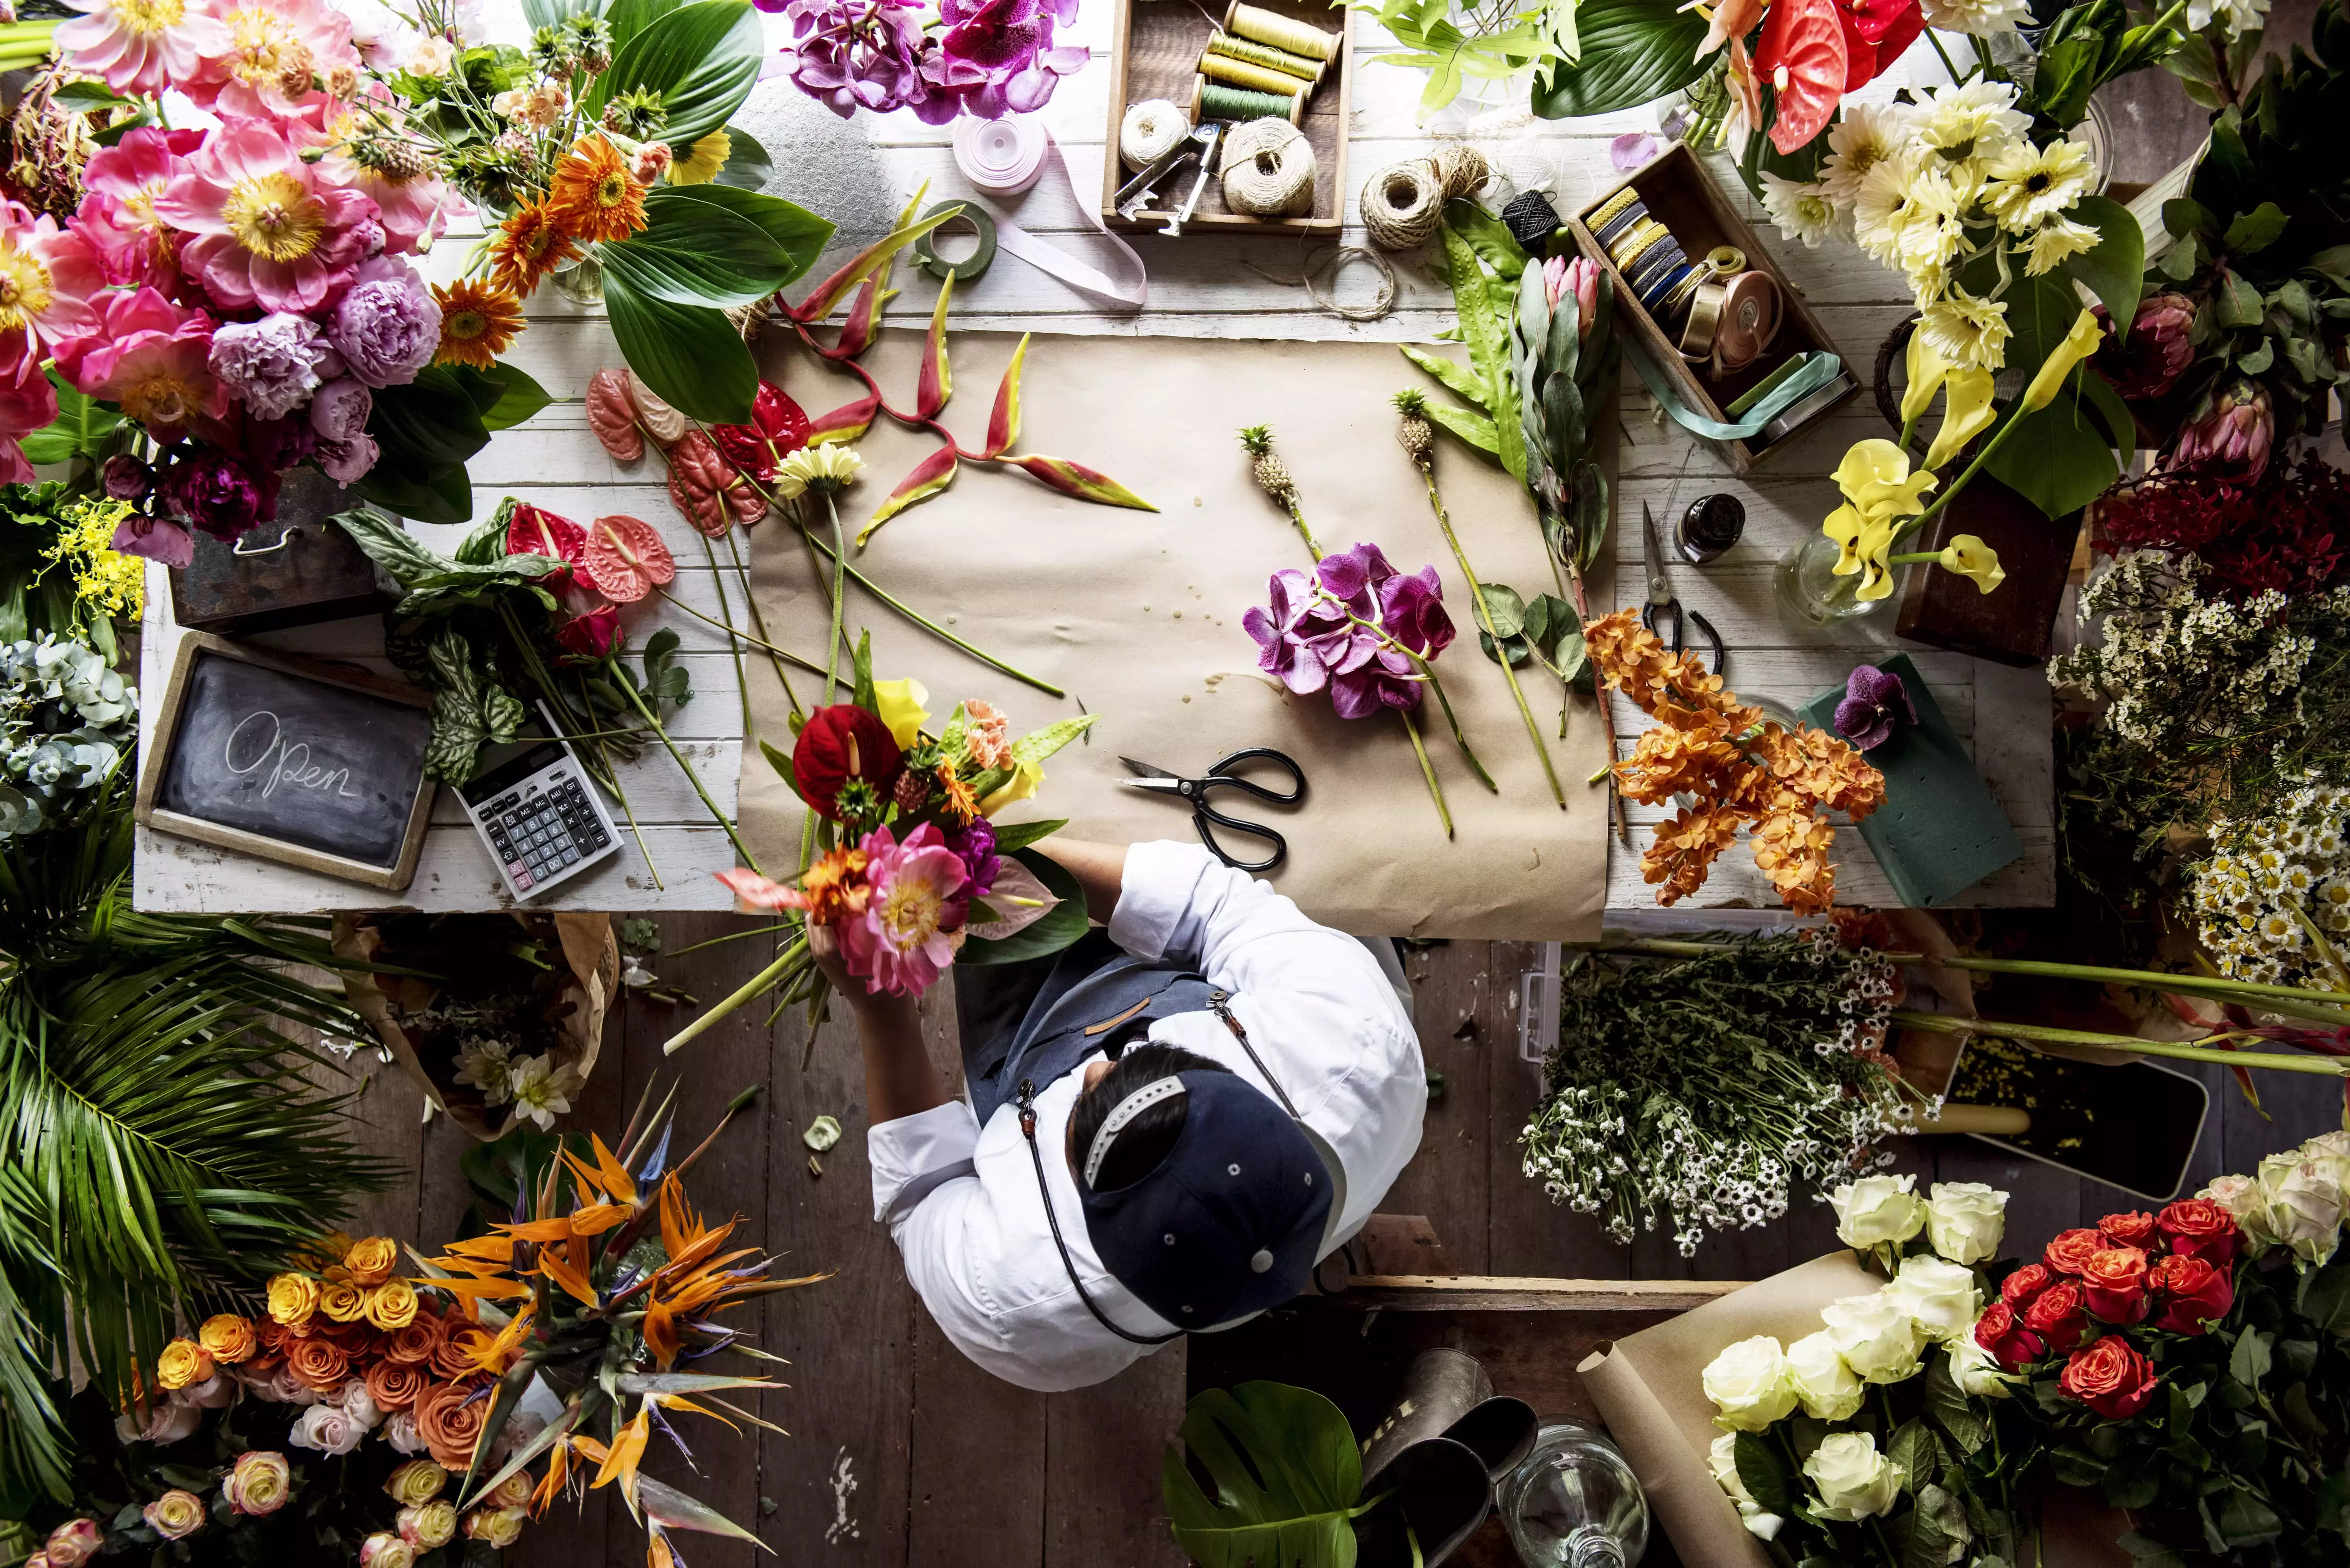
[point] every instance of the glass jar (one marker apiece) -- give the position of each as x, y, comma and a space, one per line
1573, 1502
1810, 590
581, 282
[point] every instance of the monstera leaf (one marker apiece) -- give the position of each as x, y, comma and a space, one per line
1288, 1480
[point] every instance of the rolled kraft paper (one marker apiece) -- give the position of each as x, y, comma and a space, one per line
1282, 32
1256, 78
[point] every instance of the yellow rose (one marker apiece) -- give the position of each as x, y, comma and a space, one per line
2078, 344
292, 1298
428, 1526
184, 1365
385, 1550
511, 1492
342, 1300
498, 1527
259, 1483
175, 1514
391, 1305
1971, 558
898, 703
227, 1337
1966, 412
416, 1482
1026, 779
370, 1262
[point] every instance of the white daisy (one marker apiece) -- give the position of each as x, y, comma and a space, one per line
2028, 184
543, 1091
1801, 210
1976, 120
2238, 16
482, 1064
1881, 209
2054, 240
1966, 330
1983, 18
1868, 135
1936, 227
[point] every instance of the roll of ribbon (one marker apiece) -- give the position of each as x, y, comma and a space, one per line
1725, 260
1265, 54
1150, 130
1607, 211
1282, 32
1002, 157
1704, 320
970, 268
1750, 320
1005, 157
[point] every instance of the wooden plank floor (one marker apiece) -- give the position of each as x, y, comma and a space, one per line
901, 1453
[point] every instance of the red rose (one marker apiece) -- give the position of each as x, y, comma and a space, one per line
2115, 1281
2070, 1251
2128, 1231
2195, 1293
778, 428
2018, 1289
591, 635
2010, 1344
838, 744
2110, 1378
2056, 1315
2199, 1228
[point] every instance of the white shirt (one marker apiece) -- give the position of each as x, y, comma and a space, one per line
960, 1199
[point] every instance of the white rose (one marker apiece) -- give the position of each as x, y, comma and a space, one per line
2303, 1204
282, 1387
2331, 1151
361, 1406
1941, 1297
1965, 1219
1829, 1390
1877, 1209
167, 1420
1976, 1370
400, 1431
2247, 1204
327, 1428
1748, 1383
1875, 1337
1722, 1460
214, 1393
1852, 1479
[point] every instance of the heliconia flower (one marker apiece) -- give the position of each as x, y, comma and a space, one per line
266, 227
904, 937
27, 403
152, 358
625, 558
48, 274
141, 46
277, 55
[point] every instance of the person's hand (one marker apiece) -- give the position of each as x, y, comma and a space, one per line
824, 946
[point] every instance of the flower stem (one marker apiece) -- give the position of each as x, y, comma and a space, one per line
733, 637
622, 679
795, 955
1420, 750
2016, 415
758, 618
839, 600
1949, 1024
1457, 738
870, 586
805, 663
1485, 619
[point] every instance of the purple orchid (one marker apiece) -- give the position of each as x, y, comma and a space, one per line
853, 54
1357, 625
983, 58
996, 58
1875, 704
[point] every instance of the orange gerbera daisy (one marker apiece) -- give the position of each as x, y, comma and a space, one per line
595, 195
477, 322
529, 245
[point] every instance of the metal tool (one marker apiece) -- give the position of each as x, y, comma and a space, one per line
1135, 197
1207, 817
1662, 606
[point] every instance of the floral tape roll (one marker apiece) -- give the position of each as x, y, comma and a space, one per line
1150, 130
1403, 205
1750, 320
1265, 54
1281, 32
1268, 168
1218, 100
1243, 73
965, 271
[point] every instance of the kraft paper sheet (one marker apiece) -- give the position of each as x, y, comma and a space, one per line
1138, 616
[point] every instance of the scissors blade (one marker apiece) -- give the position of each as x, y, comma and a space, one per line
1147, 770
1652, 559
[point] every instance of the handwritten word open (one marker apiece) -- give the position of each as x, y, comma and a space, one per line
288, 763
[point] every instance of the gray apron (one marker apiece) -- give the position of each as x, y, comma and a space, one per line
1035, 1022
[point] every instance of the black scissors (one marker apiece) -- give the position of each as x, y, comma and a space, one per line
1662, 606
1203, 814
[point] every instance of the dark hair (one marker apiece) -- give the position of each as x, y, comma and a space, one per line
1143, 1142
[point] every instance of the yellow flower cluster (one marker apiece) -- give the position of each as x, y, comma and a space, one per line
1742, 770
106, 582
360, 1288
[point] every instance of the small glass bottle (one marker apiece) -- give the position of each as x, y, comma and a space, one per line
1573, 1503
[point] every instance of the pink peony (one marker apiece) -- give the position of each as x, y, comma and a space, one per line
152, 358
905, 935
282, 59
119, 186
141, 46
266, 228
413, 208
48, 274
27, 403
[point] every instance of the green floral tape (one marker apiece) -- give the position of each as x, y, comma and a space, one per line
972, 265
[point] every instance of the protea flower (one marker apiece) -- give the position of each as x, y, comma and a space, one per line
2150, 361
2231, 439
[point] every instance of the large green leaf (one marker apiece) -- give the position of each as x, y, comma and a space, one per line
82, 426
2116, 265
698, 252
503, 396
702, 59
691, 356
1288, 1480
1634, 52
2058, 458
548, 13
432, 422
626, 19
748, 166
799, 233
1063, 925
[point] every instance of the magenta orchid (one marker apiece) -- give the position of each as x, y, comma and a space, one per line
1357, 625
981, 58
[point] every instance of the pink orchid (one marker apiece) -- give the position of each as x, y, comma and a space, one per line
909, 930
48, 274
150, 358
268, 228
277, 57
120, 184
27, 403
141, 46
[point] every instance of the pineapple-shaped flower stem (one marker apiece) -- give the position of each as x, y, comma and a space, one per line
1271, 476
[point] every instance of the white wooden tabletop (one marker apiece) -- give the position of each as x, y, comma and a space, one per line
1212, 285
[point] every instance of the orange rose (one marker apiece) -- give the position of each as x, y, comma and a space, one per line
413, 1346
370, 1262
318, 1362
342, 1300
391, 1306
184, 1365
228, 1337
449, 1420
395, 1385
455, 1356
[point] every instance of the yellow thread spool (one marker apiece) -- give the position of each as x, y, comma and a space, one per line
1265, 54
1261, 78
1282, 32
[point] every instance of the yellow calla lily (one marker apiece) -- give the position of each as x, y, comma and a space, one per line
1927, 369
1846, 526
1876, 570
899, 706
1969, 557
1966, 412
1875, 476
2078, 344
1026, 779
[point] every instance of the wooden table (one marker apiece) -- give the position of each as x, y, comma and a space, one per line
1211, 285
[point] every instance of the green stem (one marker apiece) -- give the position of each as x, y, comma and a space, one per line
775, 656
731, 937
805, 663
733, 637
793, 956
1485, 619
1458, 739
1427, 771
622, 679
870, 586
621, 795
1949, 63
839, 601
2016, 414
1949, 1024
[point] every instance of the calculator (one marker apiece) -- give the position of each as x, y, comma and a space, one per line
541, 819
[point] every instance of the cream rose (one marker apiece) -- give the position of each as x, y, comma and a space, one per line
175, 1514
1876, 1339
1828, 1389
1877, 1211
499, 1527
260, 1482
2247, 1204
1965, 1221
166, 1421
214, 1393
2331, 1151
400, 1431
328, 1428
1852, 1480
1749, 1385
361, 1406
1976, 1370
2304, 1206
429, 1525
511, 1492
1940, 1297
385, 1550
1722, 1460
73, 1543
417, 1482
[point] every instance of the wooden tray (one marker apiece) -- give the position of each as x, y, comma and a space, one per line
1155, 49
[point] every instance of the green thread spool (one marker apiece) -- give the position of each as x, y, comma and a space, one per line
1257, 78
1265, 54
1215, 101
1282, 32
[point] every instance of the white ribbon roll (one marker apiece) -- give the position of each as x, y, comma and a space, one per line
1006, 157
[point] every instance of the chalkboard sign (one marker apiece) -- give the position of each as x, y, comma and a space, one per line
291, 760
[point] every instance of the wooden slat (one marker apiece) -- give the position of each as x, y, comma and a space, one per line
1496, 1293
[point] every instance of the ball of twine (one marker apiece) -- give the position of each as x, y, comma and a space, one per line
1268, 168
1403, 203
1148, 130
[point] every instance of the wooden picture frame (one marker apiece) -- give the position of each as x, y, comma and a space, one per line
196, 645
1159, 64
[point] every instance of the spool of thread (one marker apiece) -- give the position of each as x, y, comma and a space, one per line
1246, 74
1402, 205
1149, 132
1282, 32
1268, 168
967, 214
1002, 157
1220, 100
1265, 54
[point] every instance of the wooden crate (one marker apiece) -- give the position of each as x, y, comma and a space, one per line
1679, 193
1155, 48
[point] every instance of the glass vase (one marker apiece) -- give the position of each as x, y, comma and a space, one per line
582, 282
1810, 590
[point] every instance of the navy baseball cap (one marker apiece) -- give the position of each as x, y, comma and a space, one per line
1230, 1222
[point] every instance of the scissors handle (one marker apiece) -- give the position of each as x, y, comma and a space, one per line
1221, 773
1207, 818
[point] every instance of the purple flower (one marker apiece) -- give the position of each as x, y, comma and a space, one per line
388, 325
849, 54
1354, 626
976, 845
274, 364
157, 538
347, 461
340, 409
1875, 704
216, 492
1633, 150
125, 478
996, 56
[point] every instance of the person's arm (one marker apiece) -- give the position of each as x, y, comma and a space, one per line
898, 1079
1100, 868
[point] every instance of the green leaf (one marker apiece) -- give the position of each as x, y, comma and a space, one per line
799, 233
702, 58
2247, 1521
2115, 266
442, 495
1913, 1448
748, 166
82, 426
2255, 231
2235, 302
2056, 460
2326, 1300
691, 356
1951, 1410
1488, 236
390, 547
693, 251
1062, 925
2121, 425
1012, 835
1288, 1480
1472, 429
1634, 52
1765, 1474
1457, 377
1038, 744
626, 19
503, 397
1504, 609
2258, 361
429, 424
1483, 328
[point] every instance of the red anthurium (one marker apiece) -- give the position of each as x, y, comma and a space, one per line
1802, 56
838, 745
533, 530
778, 428
593, 634
625, 558
1875, 34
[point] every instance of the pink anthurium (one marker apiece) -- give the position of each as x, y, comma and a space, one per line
535, 531
625, 558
